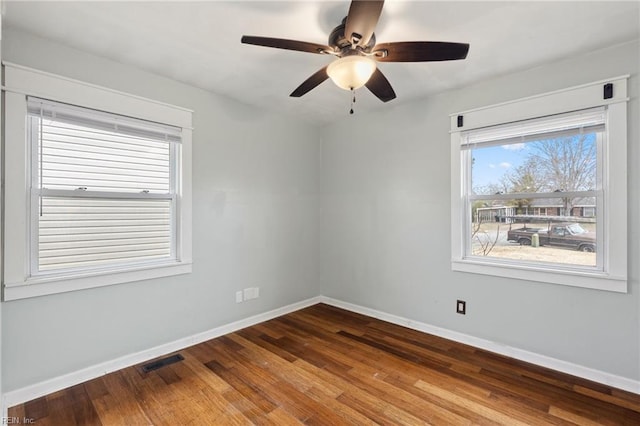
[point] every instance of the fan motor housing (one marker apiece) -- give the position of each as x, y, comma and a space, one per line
337, 38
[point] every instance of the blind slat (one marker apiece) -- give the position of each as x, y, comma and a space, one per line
56, 262
98, 230
104, 147
76, 132
102, 238
56, 160
99, 250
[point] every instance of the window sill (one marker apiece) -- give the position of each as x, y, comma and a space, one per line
46, 285
583, 279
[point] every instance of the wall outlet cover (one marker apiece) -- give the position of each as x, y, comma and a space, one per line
248, 293
461, 307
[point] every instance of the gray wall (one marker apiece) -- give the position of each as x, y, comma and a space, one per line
385, 227
255, 222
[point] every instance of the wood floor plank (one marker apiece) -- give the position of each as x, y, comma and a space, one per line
286, 371
200, 370
150, 394
423, 409
347, 414
258, 403
266, 341
280, 417
483, 410
572, 417
621, 402
326, 366
229, 415
61, 406
83, 410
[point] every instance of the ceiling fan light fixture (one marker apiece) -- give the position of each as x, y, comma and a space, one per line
351, 72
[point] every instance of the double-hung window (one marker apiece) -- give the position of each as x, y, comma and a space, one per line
539, 188
97, 186
103, 189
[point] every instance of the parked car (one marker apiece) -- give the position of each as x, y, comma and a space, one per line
566, 235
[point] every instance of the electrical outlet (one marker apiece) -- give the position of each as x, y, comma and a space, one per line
251, 293
461, 307
239, 297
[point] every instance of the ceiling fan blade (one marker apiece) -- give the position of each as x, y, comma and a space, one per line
380, 86
310, 83
280, 43
420, 51
362, 20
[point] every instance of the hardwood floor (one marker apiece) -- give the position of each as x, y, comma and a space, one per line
326, 366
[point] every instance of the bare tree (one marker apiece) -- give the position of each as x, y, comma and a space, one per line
565, 164
485, 241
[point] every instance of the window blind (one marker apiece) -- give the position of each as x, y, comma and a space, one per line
71, 114
105, 186
97, 154
551, 127
85, 232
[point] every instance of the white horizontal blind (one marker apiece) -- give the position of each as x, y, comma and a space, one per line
100, 151
65, 113
105, 187
554, 126
83, 232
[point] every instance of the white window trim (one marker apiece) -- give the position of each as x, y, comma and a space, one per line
614, 276
21, 81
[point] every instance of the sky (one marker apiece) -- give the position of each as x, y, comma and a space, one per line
493, 162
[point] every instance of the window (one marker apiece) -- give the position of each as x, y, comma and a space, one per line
517, 169
534, 194
98, 186
103, 189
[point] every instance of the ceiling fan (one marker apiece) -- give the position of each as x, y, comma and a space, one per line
353, 43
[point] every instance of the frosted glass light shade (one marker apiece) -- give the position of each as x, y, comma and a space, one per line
351, 72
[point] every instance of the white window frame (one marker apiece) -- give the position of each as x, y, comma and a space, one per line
613, 276
21, 82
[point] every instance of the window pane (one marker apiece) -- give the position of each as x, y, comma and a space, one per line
74, 156
506, 231
80, 232
565, 164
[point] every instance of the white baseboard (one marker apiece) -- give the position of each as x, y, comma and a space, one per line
520, 354
55, 384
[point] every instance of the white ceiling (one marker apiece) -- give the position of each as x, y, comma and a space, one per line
199, 42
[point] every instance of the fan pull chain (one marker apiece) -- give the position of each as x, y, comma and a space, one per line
353, 100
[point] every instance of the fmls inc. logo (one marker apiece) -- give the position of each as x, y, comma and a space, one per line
18, 421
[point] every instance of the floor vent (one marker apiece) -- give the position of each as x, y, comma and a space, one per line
162, 362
